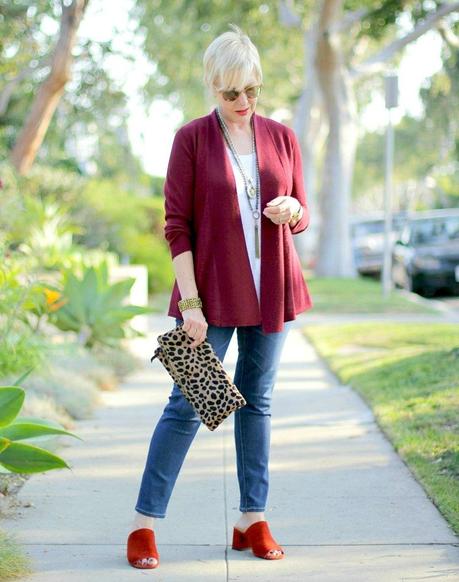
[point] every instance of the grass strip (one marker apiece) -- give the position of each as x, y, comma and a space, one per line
409, 376
361, 295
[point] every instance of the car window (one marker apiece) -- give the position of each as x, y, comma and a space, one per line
366, 228
437, 230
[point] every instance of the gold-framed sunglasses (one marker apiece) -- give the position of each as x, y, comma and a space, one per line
252, 92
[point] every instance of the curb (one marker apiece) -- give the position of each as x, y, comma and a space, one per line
433, 303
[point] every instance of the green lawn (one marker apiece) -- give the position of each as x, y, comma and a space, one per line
337, 295
409, 376
362, 295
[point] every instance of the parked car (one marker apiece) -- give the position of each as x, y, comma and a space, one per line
426, 256
367, 234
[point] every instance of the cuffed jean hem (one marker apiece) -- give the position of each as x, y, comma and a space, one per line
150, 514
252, 509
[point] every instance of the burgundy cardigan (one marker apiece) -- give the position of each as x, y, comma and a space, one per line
202, 216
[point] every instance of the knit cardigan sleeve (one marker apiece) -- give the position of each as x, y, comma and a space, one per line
298, 190
178, 193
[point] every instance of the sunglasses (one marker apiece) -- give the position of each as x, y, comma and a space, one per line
251, 92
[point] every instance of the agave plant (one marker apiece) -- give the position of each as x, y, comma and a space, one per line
17, 456
93, 307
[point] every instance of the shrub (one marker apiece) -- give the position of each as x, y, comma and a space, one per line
95, 308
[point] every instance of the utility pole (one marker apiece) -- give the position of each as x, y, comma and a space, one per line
391, 97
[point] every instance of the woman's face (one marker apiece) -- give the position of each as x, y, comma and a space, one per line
239, 109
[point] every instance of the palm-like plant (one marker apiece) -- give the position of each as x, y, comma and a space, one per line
95, 309
17, 456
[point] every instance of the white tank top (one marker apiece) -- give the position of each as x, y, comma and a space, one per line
247, 162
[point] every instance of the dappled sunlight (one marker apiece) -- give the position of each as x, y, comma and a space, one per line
133, 470
292, 382
333, 419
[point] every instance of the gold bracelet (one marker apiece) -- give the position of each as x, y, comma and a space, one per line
189, 303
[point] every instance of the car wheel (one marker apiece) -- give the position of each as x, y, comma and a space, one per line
426, 292
411, 286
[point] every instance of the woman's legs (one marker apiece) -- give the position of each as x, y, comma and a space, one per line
256, 371
171, 440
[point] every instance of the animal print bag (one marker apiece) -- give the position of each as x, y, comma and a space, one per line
200, 375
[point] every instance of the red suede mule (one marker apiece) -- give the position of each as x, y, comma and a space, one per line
259, 538
141, 544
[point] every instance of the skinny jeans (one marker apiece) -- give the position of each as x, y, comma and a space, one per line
258, 360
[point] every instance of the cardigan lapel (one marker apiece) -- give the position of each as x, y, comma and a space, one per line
217, 146
273, 180
270, 162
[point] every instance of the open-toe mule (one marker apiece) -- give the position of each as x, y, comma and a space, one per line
141, 548
257, 537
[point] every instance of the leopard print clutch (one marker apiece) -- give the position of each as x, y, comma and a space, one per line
200, 375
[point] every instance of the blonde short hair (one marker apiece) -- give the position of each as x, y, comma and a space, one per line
230, 62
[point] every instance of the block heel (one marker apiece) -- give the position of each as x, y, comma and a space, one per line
257, 537
239, 540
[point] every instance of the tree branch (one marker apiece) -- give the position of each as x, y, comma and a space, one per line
49, 93
287, 15
349, 19
376, 62
448, 35
10, 86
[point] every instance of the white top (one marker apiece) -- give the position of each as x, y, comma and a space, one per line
248, 224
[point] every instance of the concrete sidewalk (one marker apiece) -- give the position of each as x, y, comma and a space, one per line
342, 503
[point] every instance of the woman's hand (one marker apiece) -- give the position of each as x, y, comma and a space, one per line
195, 325
281, 209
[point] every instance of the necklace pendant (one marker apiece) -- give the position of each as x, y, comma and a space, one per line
251, 191
257, 242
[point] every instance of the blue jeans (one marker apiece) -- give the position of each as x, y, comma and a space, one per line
258, 359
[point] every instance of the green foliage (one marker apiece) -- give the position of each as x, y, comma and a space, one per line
419, 144
447, 187
93, 103
94, 308
379, 17
128, 225
442, 95
15, 455
56, 219
20, 347
360, 295
178, 32
36, 210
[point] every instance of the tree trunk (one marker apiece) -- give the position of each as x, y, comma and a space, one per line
48, 95
335, 258
308, 126
332, 83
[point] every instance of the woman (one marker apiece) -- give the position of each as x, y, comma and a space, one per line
234, 197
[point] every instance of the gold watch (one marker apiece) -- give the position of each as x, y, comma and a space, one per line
189, 303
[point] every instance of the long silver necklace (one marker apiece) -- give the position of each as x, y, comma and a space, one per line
252, 190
